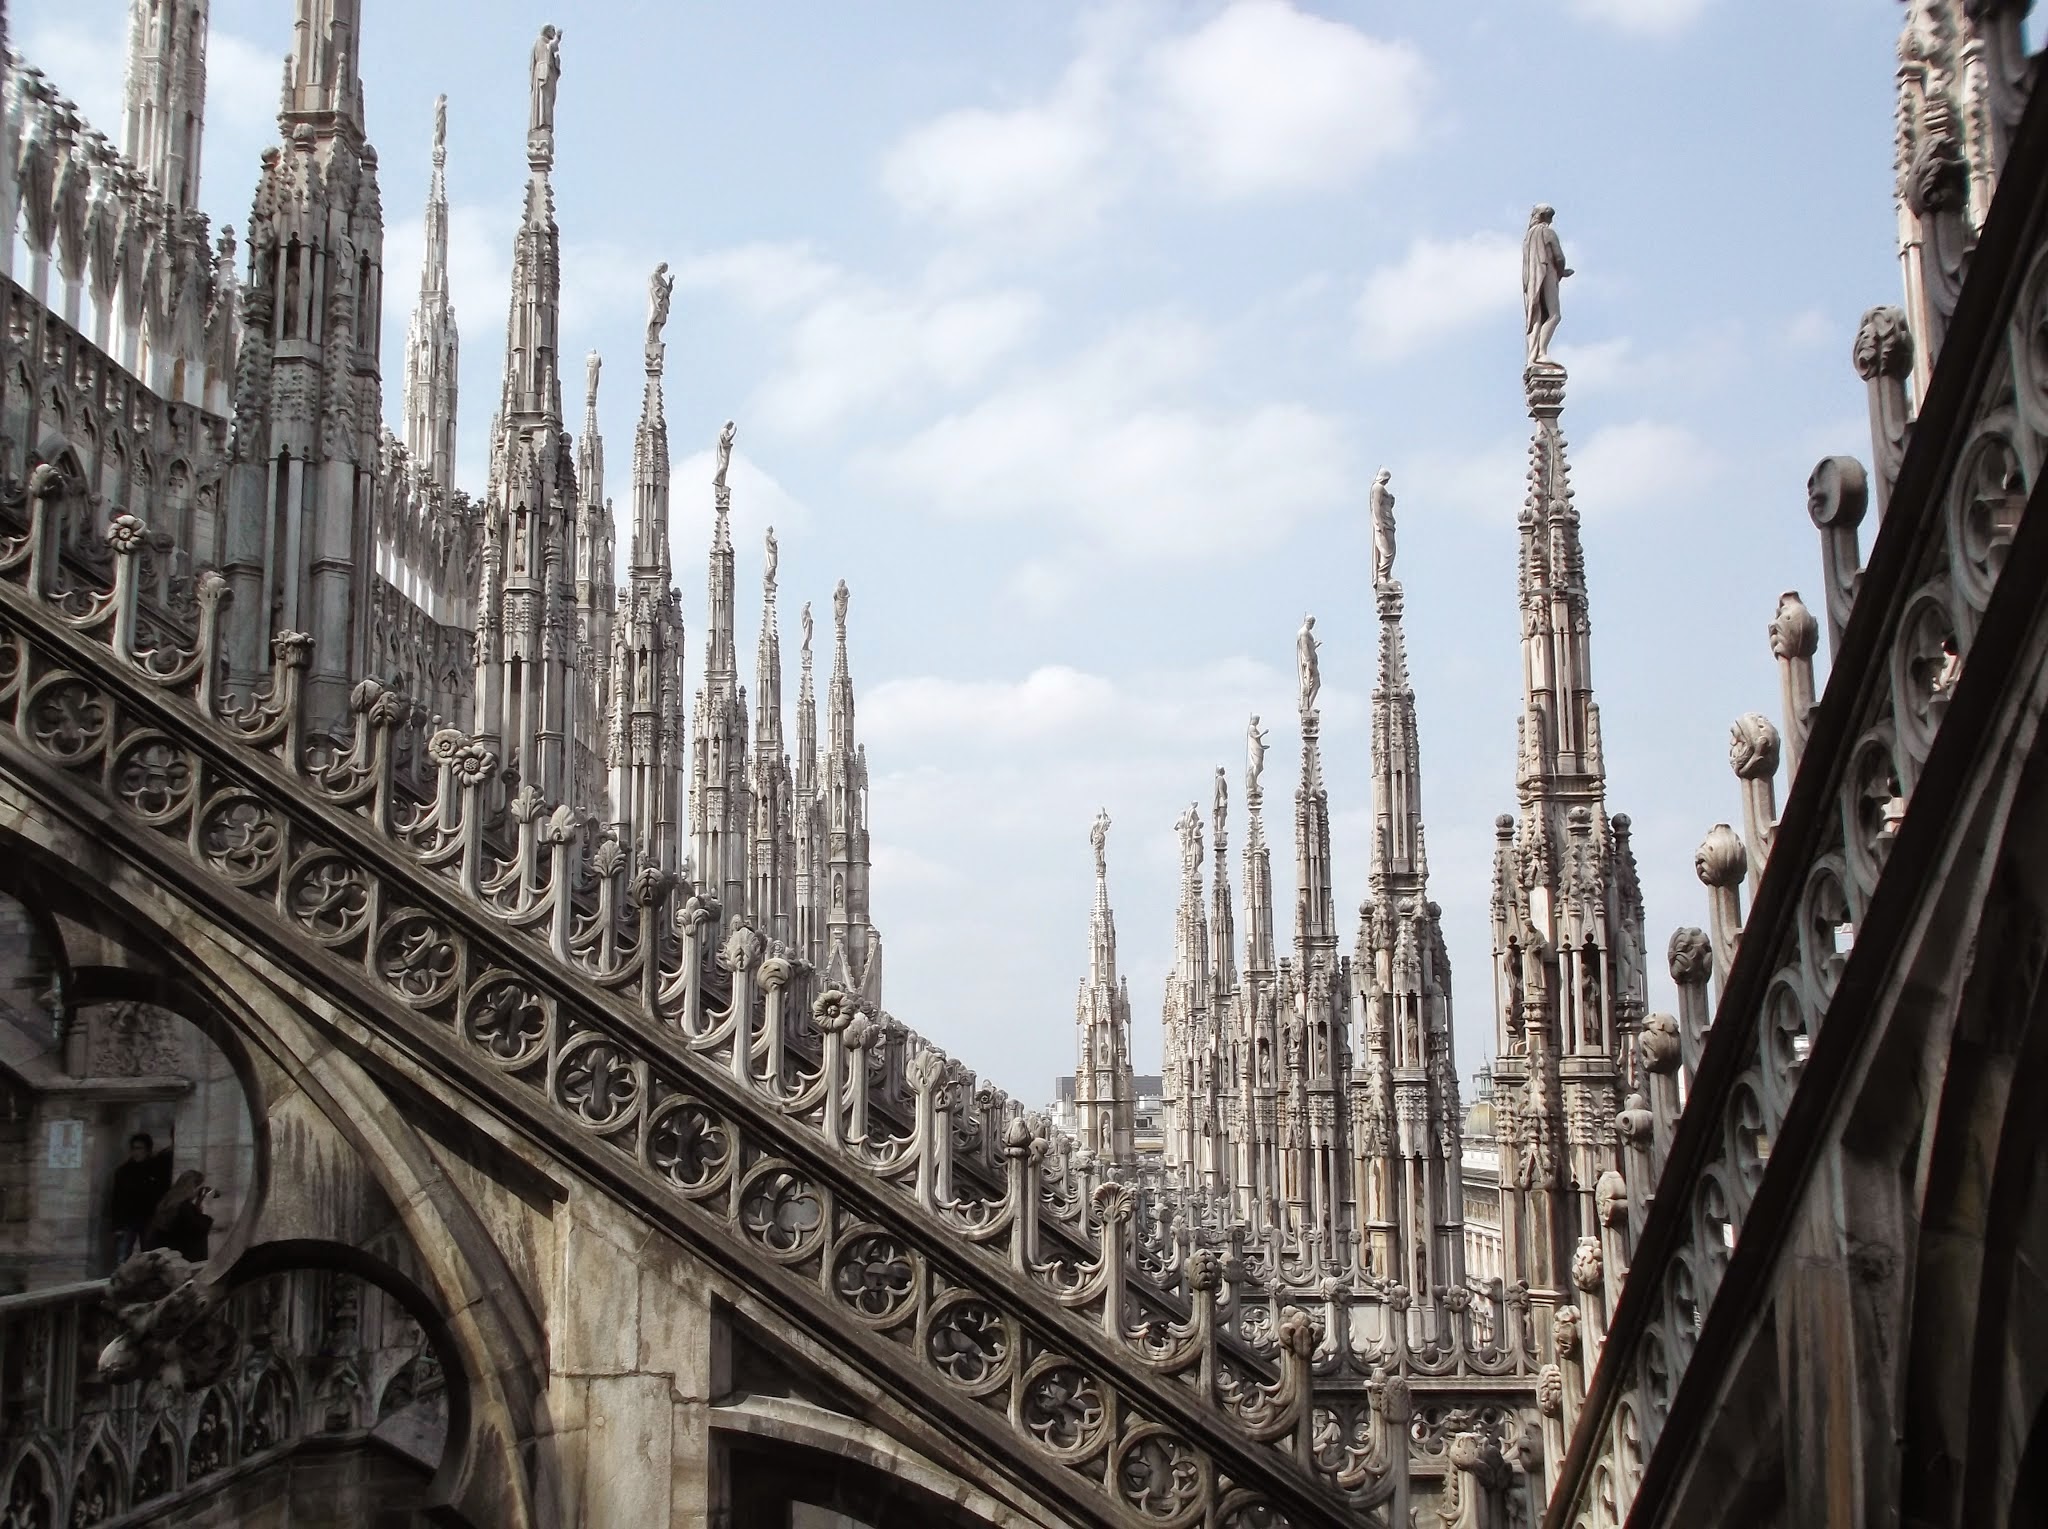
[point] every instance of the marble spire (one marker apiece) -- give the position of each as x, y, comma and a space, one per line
308, 440
1404, 1097
320, 77
721, 814
853, 948
596, 578
166, 97
525, 680
432, 346
808, 822
1568, 922
1105, 1095
647, 771
773, 864
1185, 1014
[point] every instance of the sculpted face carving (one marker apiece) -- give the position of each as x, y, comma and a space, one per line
1753, 747
1884, 345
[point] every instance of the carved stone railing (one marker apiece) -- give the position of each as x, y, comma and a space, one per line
315, 1354
590, 1023
1906, 625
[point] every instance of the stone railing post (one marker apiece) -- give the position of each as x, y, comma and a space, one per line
860, 1038
742, 949
1692, 962
1115, 1205
695, 920
126, 536
1753, 748
561, 834
926, 1075
1720, 864
1883, 354
1021, 1151
1837, 496
832, 1012
1795, 638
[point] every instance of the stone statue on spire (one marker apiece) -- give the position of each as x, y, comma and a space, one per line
440, 129
1098, 836
547, 74
1311, 675
1254, 755
725, 440
660, 289
806, 620
839, 599
1543, 268
1381, 501
592, 365
774, 561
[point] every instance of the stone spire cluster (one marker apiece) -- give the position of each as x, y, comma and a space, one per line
1311, 1099
503, 617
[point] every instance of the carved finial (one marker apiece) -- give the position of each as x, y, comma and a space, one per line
1795, 632
1543, 268
1381, 501
1098, 837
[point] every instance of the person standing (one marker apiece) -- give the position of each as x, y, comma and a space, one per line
140, 1184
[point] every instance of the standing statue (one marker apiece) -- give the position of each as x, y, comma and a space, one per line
806, 620
440, 128
1098, 836
1254, 756
1305, 660
725, 440
660, 288
1222, 794
1381, 501
1543, 268
592, 365
839, 599
547, 74
774, 560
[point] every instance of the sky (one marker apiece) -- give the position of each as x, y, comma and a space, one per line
1071, 336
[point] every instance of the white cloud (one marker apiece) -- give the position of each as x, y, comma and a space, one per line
1638, 466
1598, 366
1438, 288
1650, 18
765, 277
1261, 99
1108, 442
1487, 482
1050, 701
1042, 164
853, 344
1149, 711
1265, 98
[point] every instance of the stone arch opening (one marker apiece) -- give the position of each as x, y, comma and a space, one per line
129, 1116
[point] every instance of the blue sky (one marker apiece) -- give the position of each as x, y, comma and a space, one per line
1071, 336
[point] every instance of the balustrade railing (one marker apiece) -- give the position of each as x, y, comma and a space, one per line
1951, 490
581, 981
